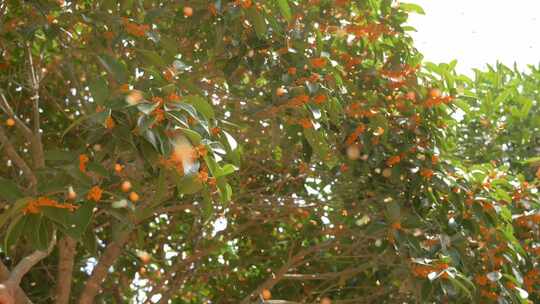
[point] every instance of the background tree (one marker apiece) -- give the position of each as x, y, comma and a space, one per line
246, 151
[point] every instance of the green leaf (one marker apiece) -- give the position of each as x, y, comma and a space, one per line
410, 7
258, 22
99, 90
45, 233
147, 108
79, 121
201, 105
318, 142
60, 155
394, 211
193, 136
9, 191
233, 145
13, 211
89, 242
32, 230
78, 221
189, 184
58, 215
152, 58
285, 9
461, 286
526, 105
225, 190
14, 231
225, 170
114, 67
532, 160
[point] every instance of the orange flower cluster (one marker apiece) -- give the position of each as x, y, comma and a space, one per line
135, 29
489, 294
361, 128
422, 271
297, 101
314, 77
83, 162
169, 74
212, 9
176, 160
171, 162
124, 88
426, 173
95, 194
34, 206
372, 31
401, 73
397, 77
357, 110
109, 35
109, 122
319, 99
318, 62
481, 280
305, 123
173, 97
244, 3
202, 176
532, 277
527, 220
201, 150
215, 131
435, 101
393, 160
159, 114
350, 61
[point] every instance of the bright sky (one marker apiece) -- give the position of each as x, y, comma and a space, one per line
477, 32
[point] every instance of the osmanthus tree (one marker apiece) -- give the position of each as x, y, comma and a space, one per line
249, 151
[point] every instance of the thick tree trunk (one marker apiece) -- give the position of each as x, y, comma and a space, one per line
109, 257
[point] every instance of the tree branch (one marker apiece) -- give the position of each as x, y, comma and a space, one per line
4, 105
18, 160
278, 276
37, 145
20, 296
10, 291
326, 276
109, 256
28, 262
66, 257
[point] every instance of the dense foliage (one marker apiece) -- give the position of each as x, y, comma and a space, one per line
254, 151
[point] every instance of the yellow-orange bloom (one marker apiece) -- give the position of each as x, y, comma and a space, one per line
109, 122
95, 194
34, 206
83, 161
318, 62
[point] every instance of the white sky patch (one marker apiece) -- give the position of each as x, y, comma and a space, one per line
478, 32
220, 224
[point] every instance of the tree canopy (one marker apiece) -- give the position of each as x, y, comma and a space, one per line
269, 151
